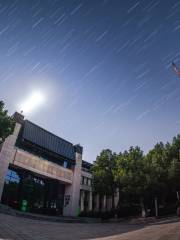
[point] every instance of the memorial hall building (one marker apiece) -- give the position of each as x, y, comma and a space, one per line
43, 173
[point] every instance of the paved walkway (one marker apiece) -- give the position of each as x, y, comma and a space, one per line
18, 228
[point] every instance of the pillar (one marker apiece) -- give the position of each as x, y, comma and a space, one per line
104, 204
72, 191
7, 155
97, 203
109, 203
90, 201
82, 200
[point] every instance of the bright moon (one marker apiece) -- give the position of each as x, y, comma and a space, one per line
35, 100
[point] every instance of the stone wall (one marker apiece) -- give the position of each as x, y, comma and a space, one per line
7, 155
72, 192
41, 166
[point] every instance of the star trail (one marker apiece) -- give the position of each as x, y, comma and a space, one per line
104, 64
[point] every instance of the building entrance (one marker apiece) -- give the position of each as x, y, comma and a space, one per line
27, 191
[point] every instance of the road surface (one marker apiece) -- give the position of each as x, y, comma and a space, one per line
19, 228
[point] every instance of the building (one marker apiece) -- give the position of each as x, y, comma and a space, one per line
42, 172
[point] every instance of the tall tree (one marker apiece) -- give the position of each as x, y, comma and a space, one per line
119, 173
175, 148
103, 178
174, 176
159, 160
151, 178
134, 177
6, 123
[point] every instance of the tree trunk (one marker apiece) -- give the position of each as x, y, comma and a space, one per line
177, 193
113, 203
143, 210
119, 196
156, 206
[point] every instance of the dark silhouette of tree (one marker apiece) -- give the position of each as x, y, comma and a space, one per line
6, 123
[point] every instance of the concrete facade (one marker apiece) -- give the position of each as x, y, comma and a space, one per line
73, 191
7, 155
71, 178
78, 196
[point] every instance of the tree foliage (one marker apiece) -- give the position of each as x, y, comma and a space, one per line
143, 177
103, 178
6, 123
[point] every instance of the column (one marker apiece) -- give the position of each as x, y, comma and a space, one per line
7, 155
97, 203
104, 203
72, 191
90, 201
109, 203
82, 200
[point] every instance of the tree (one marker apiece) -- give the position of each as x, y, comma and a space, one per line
174, 176
6, 123
131, 175
175, 148
174, 165
152, 178
103, 178
119, 173
159, 160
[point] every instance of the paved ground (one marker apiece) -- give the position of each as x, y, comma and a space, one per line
18, 228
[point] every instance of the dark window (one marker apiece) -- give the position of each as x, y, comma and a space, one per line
86, 181
82, 180
43, 195
65, 165
89, 182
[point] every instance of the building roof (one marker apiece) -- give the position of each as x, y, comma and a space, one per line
87, 165
47, 140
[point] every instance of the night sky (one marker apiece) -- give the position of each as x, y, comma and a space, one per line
104, 66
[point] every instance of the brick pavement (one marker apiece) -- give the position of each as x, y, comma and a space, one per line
18, 228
